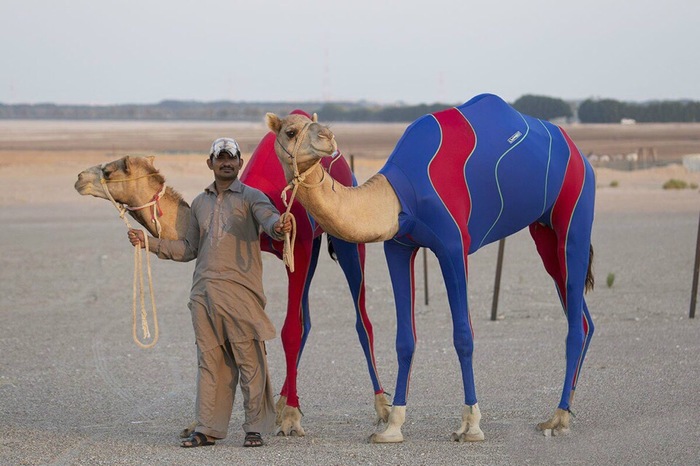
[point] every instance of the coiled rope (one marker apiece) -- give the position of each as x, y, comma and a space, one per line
138, 262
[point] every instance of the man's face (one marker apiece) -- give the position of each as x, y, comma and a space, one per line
225, 166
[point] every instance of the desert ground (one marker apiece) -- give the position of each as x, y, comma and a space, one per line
75, 389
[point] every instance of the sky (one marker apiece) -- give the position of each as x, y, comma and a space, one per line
104, 52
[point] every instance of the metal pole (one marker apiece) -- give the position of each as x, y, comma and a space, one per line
352, 163
694, 296
497, 284
425, 275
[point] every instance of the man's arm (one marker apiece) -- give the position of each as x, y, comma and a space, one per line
267, 216
180, 250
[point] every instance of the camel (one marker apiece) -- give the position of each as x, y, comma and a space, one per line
457, 180
132, 181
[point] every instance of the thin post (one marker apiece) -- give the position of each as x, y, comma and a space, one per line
352, 163
497, 283
694, 296
425, 275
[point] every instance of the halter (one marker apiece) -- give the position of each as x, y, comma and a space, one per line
138, 269
122, 208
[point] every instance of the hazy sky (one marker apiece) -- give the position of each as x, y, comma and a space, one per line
145, 51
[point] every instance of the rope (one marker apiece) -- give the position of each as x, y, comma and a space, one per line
138, 271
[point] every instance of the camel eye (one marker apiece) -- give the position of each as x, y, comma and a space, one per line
290, 133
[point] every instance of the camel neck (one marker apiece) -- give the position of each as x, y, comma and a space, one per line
363, 214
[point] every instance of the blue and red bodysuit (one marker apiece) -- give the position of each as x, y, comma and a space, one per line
469, 176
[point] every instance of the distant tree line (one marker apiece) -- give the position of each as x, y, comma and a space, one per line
613, 111
165, 110
543, 107
377, 113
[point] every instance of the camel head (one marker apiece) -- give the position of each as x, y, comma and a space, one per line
300, 139
124, 178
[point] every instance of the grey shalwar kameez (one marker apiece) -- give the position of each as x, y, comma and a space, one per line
227, 304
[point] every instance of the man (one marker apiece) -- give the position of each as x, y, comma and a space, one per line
227, 301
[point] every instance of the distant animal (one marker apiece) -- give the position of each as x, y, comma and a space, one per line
457, 180
135, 182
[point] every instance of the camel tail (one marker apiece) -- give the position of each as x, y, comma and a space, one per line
590, 281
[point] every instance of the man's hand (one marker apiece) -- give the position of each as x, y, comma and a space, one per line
284, 224
136, 237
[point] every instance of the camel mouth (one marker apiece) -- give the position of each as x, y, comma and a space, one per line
83, 187
325, 151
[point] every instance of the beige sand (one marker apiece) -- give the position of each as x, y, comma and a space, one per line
75, 389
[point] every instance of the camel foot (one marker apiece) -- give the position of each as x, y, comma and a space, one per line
392, 433
557, 425
290, 423
189, 430
469, 431
382, 407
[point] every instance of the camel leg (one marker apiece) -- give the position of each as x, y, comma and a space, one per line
296, 328
400, 259
469, 431
453, 262
351, 258
565, 251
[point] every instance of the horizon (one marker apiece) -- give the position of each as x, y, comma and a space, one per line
322, 102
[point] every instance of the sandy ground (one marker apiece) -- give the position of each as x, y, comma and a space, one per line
75, 389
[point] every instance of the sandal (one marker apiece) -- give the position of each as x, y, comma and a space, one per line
197, 439
253, 439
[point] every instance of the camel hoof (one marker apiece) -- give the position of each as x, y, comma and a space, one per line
557, 425
469, 431
477, 436
291, 433
290, 423
383, 438
382, 407
189, 430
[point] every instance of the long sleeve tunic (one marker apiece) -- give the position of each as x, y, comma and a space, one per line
223, 235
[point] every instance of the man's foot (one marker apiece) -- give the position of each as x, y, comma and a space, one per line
197, 439
253, 439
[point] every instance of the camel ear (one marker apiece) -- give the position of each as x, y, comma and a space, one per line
151, 158
273, 122
314, 118
127, 165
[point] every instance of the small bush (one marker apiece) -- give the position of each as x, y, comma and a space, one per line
610, 280
675, 184
614, 184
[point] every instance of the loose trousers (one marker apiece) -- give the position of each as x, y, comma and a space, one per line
220, 369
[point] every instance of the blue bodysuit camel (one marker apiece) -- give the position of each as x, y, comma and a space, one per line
457, 180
